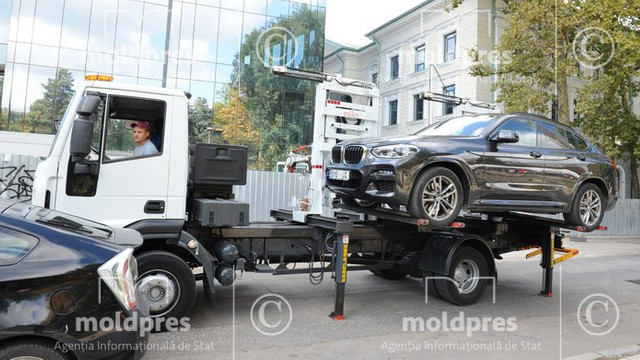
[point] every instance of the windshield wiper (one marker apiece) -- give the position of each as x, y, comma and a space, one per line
65, 225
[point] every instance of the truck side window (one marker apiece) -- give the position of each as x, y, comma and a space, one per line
124, 113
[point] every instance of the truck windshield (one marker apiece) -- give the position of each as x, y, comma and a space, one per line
459, 126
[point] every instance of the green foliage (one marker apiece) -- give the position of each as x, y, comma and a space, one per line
43, 112
200, 119
605, 101
232, 117
280, 109
538, 57
535, 56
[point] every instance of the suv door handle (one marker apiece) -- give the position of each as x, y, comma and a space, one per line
535, 154
154, 207
581, 157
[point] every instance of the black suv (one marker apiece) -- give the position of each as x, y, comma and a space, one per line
486, 163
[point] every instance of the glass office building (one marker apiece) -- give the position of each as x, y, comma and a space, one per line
218, 50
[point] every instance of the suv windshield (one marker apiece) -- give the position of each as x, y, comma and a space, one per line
459, 126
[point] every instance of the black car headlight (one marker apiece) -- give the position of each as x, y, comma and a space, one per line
394, 151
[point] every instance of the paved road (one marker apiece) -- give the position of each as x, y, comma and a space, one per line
520, 325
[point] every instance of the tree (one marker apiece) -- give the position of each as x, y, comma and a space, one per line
280, 109
44, 112
232, 116
200, 119
536, 56
605, 101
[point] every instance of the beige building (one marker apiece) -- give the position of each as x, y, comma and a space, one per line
423, 49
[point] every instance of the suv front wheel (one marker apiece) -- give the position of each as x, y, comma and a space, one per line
437, 196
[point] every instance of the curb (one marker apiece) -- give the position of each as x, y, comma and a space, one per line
630, 352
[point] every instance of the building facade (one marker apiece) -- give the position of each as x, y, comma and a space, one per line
205, 47
423, 50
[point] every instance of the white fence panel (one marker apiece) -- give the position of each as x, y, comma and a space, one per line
266, 191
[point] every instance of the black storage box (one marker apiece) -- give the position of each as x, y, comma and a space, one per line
221, 213
219, 164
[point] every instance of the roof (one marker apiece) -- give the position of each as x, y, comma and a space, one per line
130, 87
406, 13
349, 48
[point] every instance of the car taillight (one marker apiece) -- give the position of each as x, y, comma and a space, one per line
120, 274
613, 164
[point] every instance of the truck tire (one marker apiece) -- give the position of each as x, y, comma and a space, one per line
31, 350
468, 274
167, 284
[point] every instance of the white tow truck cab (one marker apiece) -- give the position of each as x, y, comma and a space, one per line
91, 170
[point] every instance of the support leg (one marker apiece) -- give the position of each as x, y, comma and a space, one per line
340, 267
547, 263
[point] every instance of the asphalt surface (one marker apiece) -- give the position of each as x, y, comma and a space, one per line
595, 306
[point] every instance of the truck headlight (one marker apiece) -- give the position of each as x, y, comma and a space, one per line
394, 151
120, 274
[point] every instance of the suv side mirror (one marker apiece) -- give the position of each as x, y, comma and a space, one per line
506, 136
82, 133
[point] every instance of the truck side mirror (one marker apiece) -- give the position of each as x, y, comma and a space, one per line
506, 136
82, 133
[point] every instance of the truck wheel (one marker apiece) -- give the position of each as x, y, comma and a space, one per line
587, 209
437, 196
468, 273
167, 284
31, 350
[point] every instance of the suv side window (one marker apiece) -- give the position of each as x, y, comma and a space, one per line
14, 246
526, 130
555, 137
577, 143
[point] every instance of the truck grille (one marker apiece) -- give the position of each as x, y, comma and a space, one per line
353, 154
336, 154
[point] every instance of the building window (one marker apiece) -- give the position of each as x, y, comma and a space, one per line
393, 112
395, 67
374, 78
450, 47
420, 50
418, 107
448, 108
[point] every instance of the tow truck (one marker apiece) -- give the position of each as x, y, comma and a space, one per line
184, 207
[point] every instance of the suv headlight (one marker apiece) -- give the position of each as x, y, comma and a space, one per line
120, 274
394, 151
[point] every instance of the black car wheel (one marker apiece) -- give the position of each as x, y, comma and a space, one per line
167, 284
587, 209
32, 351
437, 196
468, 277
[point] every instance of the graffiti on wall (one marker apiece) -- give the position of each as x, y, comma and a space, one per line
16, 182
